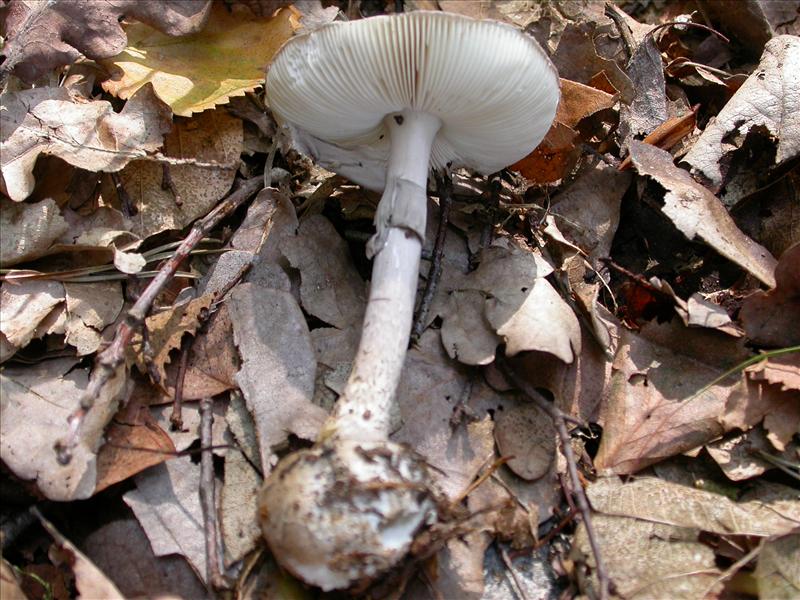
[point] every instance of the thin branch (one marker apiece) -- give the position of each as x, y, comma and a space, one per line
445, 189
110, 359
560, 421
208, 498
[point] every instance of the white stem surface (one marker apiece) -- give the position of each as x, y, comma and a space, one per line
364, 408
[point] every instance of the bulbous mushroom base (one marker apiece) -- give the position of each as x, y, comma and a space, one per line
343, 512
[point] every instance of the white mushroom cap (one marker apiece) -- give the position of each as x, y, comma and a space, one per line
491, 85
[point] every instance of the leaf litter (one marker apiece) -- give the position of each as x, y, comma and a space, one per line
635, 269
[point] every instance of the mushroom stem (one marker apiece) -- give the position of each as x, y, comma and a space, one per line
363, 411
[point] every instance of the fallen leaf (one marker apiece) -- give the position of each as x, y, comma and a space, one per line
238, 515
166, 503
89, 135
9, 584
649, 560
466, 333
431, 387
212, 363
783, 370
201, 70
28, 230
36, 402
165, 331
90, 581
278, 366
660, 501
658, 403
526, 432
131, 446
553, 158
24, 305
121, 548
579, 101
90, 308
777, 572
770, 98
330, 287
738, 458
696, 212
212, 138
770, 318
43, 36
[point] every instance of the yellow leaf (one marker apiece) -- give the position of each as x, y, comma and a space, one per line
199, 71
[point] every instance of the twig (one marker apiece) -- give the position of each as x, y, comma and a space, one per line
208, 498
559, 421
510, 569
126, 204
445, 189
613, 13
689, 24
168, 184
734, 568
176, 418
113, 356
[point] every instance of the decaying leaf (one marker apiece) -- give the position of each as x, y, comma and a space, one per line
166, 503
24, 306
697, 212
28, 230
165, 332
45, 35
330, 289
660, 501
239, 521
90, 581
769, 98
36, 402
658, 403
121, 548
526, 432
212, 138
771, 318
778, 570
202, 70
278, 366
650, 560
89, 135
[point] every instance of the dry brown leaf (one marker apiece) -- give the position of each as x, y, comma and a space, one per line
579, 101
658, 404
526, 432
777, 572
89, 135
431, 387
24, 305
121, 548
41, 36
212, 363
466, 334
660, 501
771, 318
28, 230
133, 442
166, 503
330, 287
90, 581
165, 332
214, 138
90, 307
278, 366
649, 560
553, 158
35, 403
238, 517
648, 107
738, 458
770, 98
696, 212
577, 59
782, 370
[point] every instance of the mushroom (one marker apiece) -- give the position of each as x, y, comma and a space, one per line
413, 92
